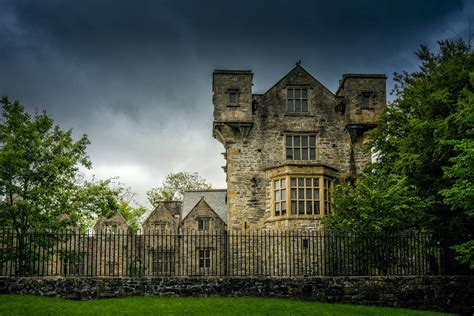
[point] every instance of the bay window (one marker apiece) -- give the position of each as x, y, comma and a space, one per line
301, 195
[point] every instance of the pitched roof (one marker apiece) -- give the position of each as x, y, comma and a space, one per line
216, 199
116, 214
298, 67
173, 207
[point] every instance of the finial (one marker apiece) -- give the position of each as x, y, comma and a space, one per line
298, 62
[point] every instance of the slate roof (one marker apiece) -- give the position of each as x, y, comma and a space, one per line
216, 199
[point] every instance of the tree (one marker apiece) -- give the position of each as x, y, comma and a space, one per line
416, 133
379, 204
106, 198
41, 186
425, 137
38, 170
174, 186
38, 167
460, 195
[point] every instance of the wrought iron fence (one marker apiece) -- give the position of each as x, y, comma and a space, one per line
226, 253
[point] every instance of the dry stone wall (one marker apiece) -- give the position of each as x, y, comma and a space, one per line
439, 293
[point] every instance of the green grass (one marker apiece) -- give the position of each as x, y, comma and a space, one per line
34, 305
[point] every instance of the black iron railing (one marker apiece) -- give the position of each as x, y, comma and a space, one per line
226, 253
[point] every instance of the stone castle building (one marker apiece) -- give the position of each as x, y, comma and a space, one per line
286, 148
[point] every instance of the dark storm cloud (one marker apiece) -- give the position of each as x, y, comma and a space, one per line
136, 75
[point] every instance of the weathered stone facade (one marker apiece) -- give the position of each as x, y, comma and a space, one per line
175, 239
297, 131
165, 216
443, 293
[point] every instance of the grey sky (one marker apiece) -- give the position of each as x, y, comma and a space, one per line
135, 76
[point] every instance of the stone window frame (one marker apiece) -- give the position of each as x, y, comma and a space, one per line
159, 226
204, 258
365, 99
230, 92
294, 97
206, 224
324, 187
300, 146
328, 184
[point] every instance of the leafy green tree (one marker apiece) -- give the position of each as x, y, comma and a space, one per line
109, 197
460, 195
38, 167
38, 170
379, 204
416, 133
174, 186
425, 137
41, 187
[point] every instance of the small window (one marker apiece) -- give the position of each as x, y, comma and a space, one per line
204, 258
300, 147
297, 100
365, 100
159, 226
203, 224
111, 228
233, 97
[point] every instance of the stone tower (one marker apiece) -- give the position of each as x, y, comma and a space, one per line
286, 148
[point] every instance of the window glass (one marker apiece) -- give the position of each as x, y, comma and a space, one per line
300, 147
233, 96
303, 196
297, 100
365, 100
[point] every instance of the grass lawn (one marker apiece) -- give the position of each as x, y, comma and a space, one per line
34, 305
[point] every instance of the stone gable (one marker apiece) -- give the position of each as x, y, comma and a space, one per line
202, 211
115, 223
161, 219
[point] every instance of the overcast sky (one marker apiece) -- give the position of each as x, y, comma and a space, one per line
135, 76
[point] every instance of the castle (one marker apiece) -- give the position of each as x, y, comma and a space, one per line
286, 148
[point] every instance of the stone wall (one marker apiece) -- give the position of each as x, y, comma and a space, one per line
441, 293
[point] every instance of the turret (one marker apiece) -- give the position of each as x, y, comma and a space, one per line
364, 98
232, 99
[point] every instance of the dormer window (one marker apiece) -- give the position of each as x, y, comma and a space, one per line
233, 96
297, 100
